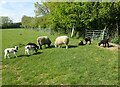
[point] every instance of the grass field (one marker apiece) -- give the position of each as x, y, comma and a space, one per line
83, 65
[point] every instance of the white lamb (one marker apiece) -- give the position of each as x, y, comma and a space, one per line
7, 51
62, 40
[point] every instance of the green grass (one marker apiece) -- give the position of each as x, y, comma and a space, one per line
83, 65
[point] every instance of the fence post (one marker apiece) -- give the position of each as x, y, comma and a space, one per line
72, 33
103, 33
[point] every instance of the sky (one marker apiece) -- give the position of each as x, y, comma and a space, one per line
16, 9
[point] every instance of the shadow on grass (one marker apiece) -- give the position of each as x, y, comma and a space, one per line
37, 53
72, 46
52, 46
69, 46
30, 54
82, 45
110, 46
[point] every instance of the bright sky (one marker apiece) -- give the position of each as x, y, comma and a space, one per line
15, 9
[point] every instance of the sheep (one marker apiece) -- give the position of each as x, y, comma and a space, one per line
7, 52
88, 39
104, 42
61, 40
43, 40
31, 46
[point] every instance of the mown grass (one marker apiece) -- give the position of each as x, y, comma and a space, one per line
83, 65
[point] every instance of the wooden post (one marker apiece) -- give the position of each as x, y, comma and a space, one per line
103, 33
72, 33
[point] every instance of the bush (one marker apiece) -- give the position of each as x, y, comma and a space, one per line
116, 40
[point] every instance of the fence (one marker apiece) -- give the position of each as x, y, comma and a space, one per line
96, 34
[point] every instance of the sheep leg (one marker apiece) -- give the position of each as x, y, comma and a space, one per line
48, 45
32, 50
66, 46
5, 56
8, 55
15, 54
40, 46
89, 42
108, 44
35, 49
55, 45
105, 44
27, 52
59, 46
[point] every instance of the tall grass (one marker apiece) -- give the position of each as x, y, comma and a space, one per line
83, 65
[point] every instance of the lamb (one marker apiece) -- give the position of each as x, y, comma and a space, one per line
104, 42
37, 47
31, 46
88, 39
7, 52
61, 40
43, 40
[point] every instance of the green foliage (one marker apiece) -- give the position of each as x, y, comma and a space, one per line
6, 22
81, 15
84, 65
41, 9
116, 40
63, 16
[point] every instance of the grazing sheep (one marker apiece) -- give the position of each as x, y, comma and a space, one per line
61, 40
81, 43
43, 40
7, 51
31, 46
88, 39
104, 42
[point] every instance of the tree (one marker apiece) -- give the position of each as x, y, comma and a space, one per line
26, 21
41, 9
63, 16
5, 21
